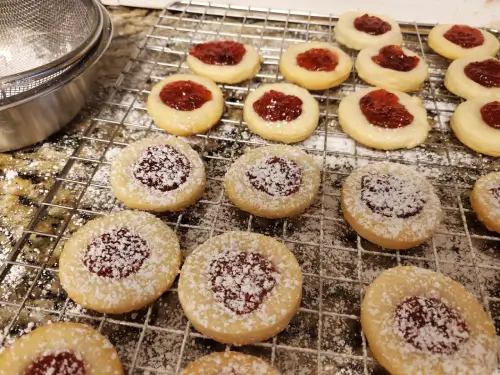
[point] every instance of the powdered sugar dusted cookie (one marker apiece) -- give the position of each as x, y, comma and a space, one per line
421, 322
224, 61
158, 174
185, 104
315, 65
240, 288
392, 67
457, 41
120, 262
476, 123
61, 349
273, 181
281, 112
229, 363
384, 119
391, 205
485, 200
359, 30
474, 77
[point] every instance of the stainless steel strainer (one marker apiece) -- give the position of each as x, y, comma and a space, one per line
40, 38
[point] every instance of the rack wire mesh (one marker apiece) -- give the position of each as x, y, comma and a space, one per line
326, 336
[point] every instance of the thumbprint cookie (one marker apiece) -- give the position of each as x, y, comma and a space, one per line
474, 77
391, 205
158, 174
358, 30
392, 67
384, 119
420, 322
61, 349
476, 123
485, 200
224, 61
273, 182
240, 288
281, 112
229, 363
120, 262
457, 41
185, 104
315, 65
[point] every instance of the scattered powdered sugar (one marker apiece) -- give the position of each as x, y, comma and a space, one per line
276, 176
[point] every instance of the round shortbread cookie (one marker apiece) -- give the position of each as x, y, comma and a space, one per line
185, 104
61, 349
485, 200
224, 61
442, 40
459, 83
229, 363
120, 262
240, 288
391, 205
371, 30
476, 123
158, 174
421, 322
392, 67
315, 65
273, 181
286, 112
387, 128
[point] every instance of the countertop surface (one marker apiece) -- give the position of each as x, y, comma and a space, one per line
27, 175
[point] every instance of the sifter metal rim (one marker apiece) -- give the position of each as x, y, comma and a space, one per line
65, 61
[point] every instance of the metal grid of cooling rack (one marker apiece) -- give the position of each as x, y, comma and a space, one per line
326, 336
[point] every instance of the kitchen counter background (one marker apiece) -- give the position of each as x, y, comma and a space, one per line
26, 175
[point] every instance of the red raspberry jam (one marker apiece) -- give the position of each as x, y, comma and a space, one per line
185, 95
486, 72
277, 106
382, 108
464, 36
318, 60
219, 52
372, 25
490, 113
393, 57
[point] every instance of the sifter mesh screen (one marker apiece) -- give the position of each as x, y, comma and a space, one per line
41, 34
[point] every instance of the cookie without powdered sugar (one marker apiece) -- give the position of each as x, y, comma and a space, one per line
391, 205
61, 349
273, 182
485, 200
419, 322
229, 363
158, 174
120, 262
240, 288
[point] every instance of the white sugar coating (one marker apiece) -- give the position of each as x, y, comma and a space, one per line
187, 187
277, 178
410, 189
106, 294
86, 344
210, 316
246, 196
476, 353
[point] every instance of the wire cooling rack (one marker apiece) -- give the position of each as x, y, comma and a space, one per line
325, 337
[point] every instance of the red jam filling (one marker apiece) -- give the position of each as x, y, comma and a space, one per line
464, 36
486, 73
277, 106
185, 95
495, 192
162, 167
430, 325
490, 113
318, 60
275, 176
382, 108
63, 363
372, 25
219, 52
116, 254
393, 57
241, 280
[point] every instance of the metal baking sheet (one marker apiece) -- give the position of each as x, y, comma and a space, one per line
326, 336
